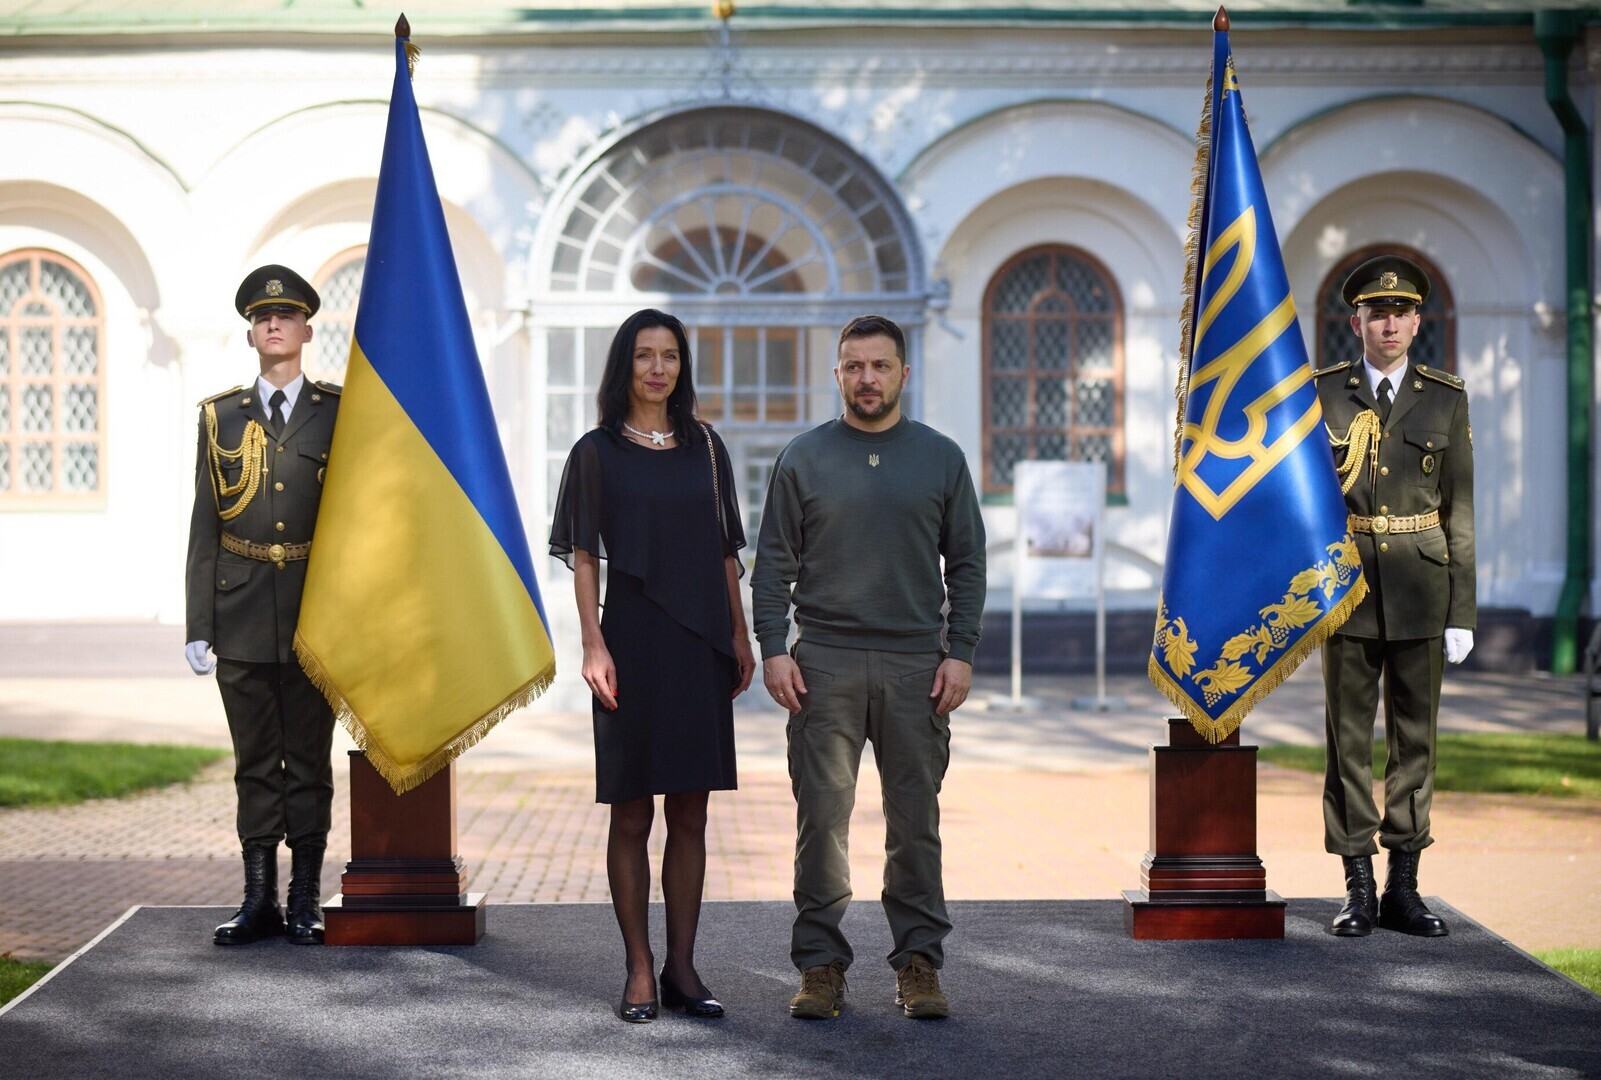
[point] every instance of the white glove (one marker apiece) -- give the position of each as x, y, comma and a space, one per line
195, 653
1458, 643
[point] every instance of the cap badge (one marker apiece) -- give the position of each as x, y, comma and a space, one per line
1387, 280
276, 287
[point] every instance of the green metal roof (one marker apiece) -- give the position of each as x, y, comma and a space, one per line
436, 19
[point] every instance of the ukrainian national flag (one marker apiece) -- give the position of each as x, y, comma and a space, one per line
1260, 567
421, 619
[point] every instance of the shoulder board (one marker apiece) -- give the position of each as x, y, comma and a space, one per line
1322, 371
328, 387
219, 397
1440, 376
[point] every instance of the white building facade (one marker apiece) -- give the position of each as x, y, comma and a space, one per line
1015, 194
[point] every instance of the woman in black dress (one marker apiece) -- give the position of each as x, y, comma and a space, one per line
649, 490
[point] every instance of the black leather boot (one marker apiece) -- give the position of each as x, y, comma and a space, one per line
1361, 899
259, 916
305, 888
1402, 909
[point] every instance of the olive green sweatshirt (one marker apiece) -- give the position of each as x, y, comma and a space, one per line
857, 522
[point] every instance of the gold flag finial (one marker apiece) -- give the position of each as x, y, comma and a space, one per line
723, 9
403, 32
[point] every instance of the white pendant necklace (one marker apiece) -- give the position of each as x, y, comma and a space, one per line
657, 438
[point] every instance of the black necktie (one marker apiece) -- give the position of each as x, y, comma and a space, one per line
1384, 399
278, 398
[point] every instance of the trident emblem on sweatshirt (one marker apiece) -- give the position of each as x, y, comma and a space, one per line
872, 459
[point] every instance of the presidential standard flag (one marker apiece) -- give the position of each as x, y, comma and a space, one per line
1260, 565
421, 619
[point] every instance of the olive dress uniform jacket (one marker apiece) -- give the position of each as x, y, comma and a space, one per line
1419, 583
247, 608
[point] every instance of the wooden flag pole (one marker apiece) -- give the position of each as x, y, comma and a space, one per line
1202, 878
404, 884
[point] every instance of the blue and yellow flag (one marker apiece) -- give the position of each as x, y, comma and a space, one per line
1260, 566
421, 619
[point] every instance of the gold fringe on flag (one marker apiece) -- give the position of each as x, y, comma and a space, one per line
1192, 255
1215, 731
401, 777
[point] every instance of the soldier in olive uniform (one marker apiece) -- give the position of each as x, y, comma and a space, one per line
1405, 455
258, 481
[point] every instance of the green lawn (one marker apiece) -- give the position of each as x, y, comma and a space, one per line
1580, 965
1522, 764
34, 772
17, 975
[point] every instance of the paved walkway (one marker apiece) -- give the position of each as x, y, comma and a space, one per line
1047, 802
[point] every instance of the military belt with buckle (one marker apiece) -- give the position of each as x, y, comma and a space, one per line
278, 554
1382, 524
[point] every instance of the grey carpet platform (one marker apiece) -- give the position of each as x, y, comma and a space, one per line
1049, 989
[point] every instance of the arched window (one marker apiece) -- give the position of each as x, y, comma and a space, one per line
338, 284
1435, 345
764, 234
1053, 365
52, 382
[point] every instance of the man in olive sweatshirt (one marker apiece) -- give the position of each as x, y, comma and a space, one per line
859, 514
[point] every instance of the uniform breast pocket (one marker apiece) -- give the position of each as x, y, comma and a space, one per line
1425, 453
315, 456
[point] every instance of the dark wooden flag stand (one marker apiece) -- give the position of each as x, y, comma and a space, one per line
404, 883
1202, 878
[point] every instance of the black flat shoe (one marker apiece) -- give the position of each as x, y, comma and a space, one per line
636, 1013
706, 1008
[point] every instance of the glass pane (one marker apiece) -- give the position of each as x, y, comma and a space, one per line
36, 358
561, 362
746, 399
333, 348
79, 351
1008, 403
81, 467
1050, 344
37, 409
5, 466
1050, 446
13, 285
1093, 404
561, 423
1079, 280
783, 406
1050, 405
36, 466
1009, 345
781, 367
1095, 344
597, 341
5, 410
80, 408
1005, 452
5, 351
1093, 448
65, 289
1017, 289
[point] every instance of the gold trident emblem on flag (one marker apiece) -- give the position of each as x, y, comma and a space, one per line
1227, 369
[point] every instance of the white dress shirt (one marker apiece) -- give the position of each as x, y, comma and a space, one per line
1375, 375
265, 390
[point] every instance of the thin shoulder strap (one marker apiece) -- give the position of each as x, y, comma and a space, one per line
717, 491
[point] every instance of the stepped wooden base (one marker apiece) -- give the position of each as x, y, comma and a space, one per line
1202, 878
404, 883
458, 924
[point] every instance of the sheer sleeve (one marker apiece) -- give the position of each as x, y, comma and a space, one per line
575, 522
733, 526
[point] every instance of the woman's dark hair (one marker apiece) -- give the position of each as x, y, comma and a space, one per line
611, 403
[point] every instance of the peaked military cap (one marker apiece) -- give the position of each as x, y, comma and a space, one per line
1388, 281
275, 288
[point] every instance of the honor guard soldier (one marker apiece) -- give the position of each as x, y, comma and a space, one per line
1404, 451
258, 480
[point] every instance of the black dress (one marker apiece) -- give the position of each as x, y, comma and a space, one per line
652, 516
